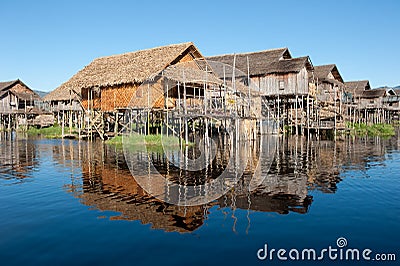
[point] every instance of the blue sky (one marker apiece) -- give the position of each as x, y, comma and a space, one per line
45, 42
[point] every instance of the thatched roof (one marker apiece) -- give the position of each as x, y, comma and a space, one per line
259, 62
128, 68
357, 87
322, 73
184, 73
292, 65
19, 89
7, 84
375, 93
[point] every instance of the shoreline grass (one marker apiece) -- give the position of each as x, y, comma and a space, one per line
52, 132
152, 142
374, 130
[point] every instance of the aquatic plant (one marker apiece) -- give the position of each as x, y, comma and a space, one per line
362, 129
147, 140
48, 132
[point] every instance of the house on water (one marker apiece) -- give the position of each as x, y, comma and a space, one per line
355, 89
329, 92
146, 86
378, 106
351, 98
284, 84
65, 106
17, 105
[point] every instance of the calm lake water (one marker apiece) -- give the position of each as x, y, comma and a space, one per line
66, 202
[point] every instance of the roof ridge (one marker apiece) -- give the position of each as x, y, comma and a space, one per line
326, 65
255, 52
361, 80
295, 58
149, 49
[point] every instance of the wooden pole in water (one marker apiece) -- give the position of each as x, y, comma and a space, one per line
334, 92
279, 116
167, 110
70, 112
234, 83
79, 123
180, 114
248, 83
224, 102
296, 114
308, 115
185, 110
62, 124
207, 142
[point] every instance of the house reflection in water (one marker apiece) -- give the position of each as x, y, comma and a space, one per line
299, 166
18, 157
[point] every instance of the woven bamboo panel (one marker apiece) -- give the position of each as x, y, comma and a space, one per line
117, 96
95, 103
148, 96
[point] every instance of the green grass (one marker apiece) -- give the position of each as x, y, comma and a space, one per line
48, 132
362, 129
149, 142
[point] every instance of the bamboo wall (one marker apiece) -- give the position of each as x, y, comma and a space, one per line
110, 98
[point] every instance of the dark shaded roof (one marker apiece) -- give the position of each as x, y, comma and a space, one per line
23, 92
6, 84
357, 87
259, 62
375, 93
290, 65
322, 72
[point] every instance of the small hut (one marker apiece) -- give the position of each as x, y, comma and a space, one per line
15, 96
354, 90
283, 82
65, 106
378, 105
17, 104
329, 93
257, 65
330, 84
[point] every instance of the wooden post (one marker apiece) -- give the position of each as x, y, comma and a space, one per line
279, 116
185, 110
79, 123
63, 124
334, 104
70, 113
295, 123
148, 109
9, 121
167, 118
308, 115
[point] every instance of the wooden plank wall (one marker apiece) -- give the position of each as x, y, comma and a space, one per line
293, 83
